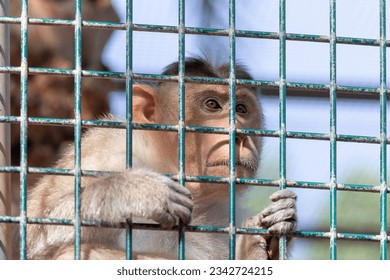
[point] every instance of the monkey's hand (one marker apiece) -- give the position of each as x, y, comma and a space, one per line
279, 218
137, 193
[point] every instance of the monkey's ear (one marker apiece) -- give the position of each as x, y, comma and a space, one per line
143, 104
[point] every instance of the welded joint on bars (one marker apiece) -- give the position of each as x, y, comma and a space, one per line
383, 188
383, 137
383, 235
232, 128
77, 71
282, 181
231, 31
332, 234
181, 125
128, 73
333, 134
24, 65
181, 29
231, 229
283, 130
23, 217
282, 82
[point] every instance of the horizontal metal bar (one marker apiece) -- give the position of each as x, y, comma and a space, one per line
190, 79
52, 171
195, 31
215, 229
65, 22
195, 129
206, 179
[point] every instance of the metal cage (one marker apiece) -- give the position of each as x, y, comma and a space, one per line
24, 70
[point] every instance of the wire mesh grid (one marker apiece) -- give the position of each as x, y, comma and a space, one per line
181, 128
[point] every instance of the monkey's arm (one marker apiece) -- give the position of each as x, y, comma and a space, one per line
279, 218
114, 198
136, 193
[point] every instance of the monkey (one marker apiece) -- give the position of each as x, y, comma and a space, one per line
142, 194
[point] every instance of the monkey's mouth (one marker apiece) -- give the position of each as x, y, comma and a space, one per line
249, 164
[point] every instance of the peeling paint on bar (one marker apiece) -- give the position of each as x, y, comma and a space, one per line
383, 132
77, 127
282, 85
194, 129
232, 129
191, 79
209, 179
195, 30
23, 128
181, 116
333, 132
215, 229
129, 113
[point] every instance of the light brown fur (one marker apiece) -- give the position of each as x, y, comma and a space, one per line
142, 194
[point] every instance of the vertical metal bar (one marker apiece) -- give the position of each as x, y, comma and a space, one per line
129, 111
282, 112
77, 127
23, 127
383, 132
333, 133
181, 108
5, 134
232, 129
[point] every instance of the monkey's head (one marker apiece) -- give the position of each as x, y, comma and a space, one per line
206, 154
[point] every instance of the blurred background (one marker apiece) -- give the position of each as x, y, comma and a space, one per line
307, 62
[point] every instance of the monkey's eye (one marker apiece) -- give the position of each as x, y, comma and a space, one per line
212, 104
241, 109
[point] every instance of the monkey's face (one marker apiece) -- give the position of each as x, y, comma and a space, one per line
208, 154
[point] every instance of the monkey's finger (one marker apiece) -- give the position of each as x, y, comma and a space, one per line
183, 213
280, 216
278, 205
164, 218
281, 194
181, 200
180, 189
283, 227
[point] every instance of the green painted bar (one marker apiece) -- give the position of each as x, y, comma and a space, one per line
210, 229
23, 128
129, 111
333, 133
232, 129
207, 179
383, 133
282, 113
181, 115
77, 128
158, 77
195, 30
195, 129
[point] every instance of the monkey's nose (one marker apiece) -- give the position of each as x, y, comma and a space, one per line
240, 139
